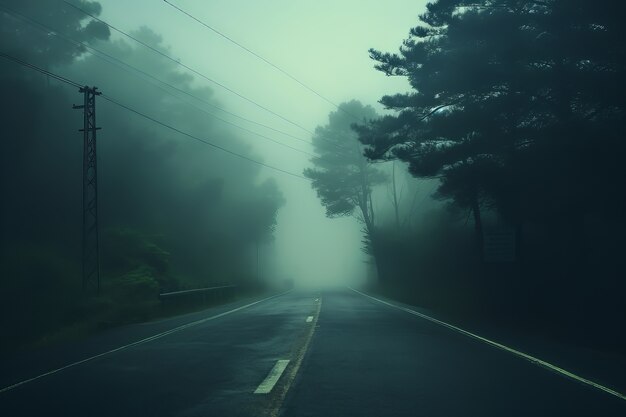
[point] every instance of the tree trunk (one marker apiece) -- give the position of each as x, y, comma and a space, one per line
377, 256
395, 194
478, 226
365, 204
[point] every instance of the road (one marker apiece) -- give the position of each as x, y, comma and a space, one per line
331, 353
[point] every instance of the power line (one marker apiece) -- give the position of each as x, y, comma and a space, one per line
124, 66
231, 40
199, 139
155, 50
244, 128
154, 120
41, 70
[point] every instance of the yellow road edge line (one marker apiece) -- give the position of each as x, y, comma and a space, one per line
526, 356
139, 342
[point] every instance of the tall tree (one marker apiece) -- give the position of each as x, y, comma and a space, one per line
342, 177
515, 105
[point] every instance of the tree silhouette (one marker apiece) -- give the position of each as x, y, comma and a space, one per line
516, 105
342, 177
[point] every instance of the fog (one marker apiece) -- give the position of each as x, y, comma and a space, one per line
422, 149
324, 44
202, 148
228, 207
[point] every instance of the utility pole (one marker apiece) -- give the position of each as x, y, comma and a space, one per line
91, 260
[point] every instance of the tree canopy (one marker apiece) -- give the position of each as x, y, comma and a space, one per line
342, 176
517, 105
173, 213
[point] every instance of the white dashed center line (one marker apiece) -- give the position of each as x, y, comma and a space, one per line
309, 319
272, 378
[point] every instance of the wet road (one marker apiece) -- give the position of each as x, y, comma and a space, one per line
332, 353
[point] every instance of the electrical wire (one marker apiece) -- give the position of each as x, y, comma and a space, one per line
198, 73
155, 50
41, 70
231, 40
268, 62
124, 66
199, 139
152, 119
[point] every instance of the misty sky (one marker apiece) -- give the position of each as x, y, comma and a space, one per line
324, 44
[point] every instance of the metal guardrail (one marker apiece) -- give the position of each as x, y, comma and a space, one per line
194, 291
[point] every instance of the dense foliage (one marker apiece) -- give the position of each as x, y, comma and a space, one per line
342, 177
518, 107
174, 213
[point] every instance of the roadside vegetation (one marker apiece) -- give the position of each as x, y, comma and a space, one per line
174, 214
516, 114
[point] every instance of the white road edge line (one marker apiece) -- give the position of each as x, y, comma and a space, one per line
526, 356
272, 378
139, 342
309, 319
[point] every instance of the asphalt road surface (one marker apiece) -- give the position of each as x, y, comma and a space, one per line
331, 353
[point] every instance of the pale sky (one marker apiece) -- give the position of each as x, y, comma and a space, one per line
324, 44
